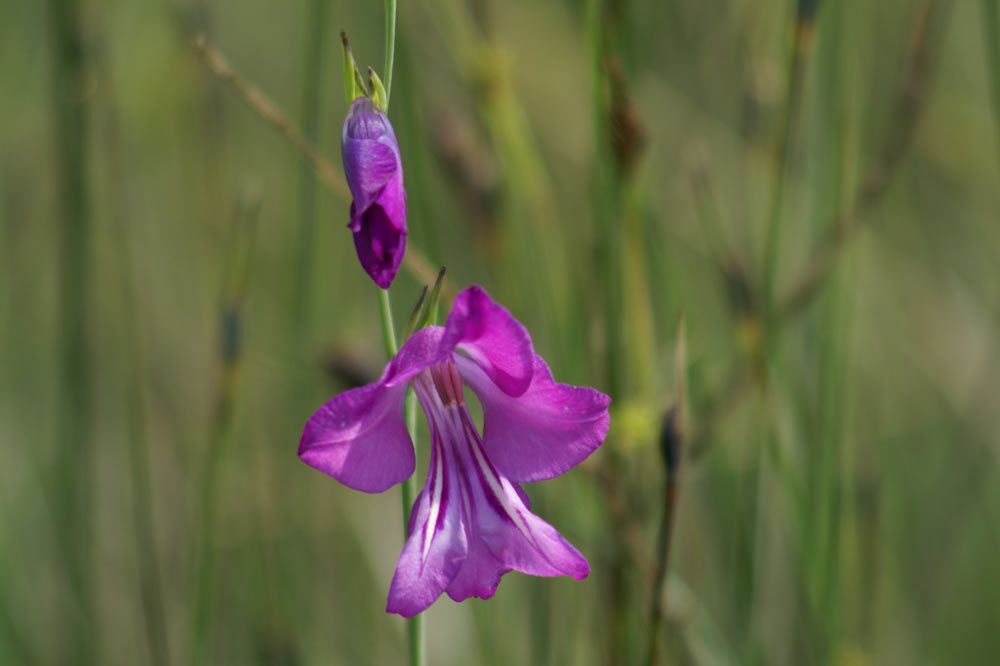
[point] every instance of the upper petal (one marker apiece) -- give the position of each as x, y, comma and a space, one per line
359, 437
420, 351
365, 121
543, 432
488, 333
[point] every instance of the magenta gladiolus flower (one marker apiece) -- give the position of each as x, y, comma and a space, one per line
471, 523
374, 173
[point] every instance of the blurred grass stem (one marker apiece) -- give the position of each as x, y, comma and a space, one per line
797, 60
231, 318
991, 29
882, 166
266, 109
608, 188
671, 449
316, 29
133, 397
846, 221
72, 497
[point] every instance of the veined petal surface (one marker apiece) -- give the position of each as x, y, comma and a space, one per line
503, 534
544, 431
359, 437
437, 545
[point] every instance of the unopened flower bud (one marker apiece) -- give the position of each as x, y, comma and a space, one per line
374, 173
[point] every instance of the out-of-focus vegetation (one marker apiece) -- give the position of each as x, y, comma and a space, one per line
815, 186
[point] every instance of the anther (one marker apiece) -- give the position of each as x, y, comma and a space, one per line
456, 382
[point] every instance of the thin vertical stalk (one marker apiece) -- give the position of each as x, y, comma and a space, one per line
316, 29
150, 587
991, 28
415, 624
797, 59
819, 517
73, 485
388, 330
418, 654
672, 436
143, 526
231, 314
390, 44
607, 199
824, 517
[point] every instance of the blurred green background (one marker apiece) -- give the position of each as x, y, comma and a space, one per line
815, 186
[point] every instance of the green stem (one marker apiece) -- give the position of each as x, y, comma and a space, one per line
388, 331
231, 321
150, 585
390, 45
991, 26
793, 102
415, 624
73, 485
309, 121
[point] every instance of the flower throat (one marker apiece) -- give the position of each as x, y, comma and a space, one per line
448, 383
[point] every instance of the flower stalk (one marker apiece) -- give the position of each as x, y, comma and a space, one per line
415, 624
390, 45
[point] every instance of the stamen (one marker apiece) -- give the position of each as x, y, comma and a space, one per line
440, 384
456, 382
448, 383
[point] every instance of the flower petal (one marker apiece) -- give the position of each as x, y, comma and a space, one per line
480, 573
530, 544
374, 173
359, 438
379, 243
543, 432
365, 121
368, 167
437, 545
370, 153
420, 351
503, 534
488, 333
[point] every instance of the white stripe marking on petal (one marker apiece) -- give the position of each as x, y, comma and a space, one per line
498, 492
435, 507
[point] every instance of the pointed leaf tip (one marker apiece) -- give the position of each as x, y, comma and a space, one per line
435, 298
354, 85
417, 316
379, 97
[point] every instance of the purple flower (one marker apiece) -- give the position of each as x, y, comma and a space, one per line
471, 523
375, 175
